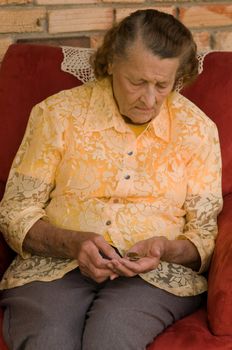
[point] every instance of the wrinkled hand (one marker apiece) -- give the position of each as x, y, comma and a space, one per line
93, 254
150, 251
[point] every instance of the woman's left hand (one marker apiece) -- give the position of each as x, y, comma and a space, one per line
148, 254
151, 251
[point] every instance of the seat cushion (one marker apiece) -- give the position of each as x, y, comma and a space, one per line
220, 280
191, 333
2, 343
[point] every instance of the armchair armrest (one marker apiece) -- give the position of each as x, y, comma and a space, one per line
220, 275
6, 255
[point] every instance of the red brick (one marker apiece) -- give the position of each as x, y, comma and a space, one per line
206, 16
21, 20
82, 19
123, 12
223, 41
66, 2
15, 2
202, 40
124, 1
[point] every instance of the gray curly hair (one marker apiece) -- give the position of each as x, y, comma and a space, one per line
161, 33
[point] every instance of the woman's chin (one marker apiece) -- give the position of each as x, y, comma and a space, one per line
140, 119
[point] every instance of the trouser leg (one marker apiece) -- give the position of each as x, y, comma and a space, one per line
47, 315
128, 313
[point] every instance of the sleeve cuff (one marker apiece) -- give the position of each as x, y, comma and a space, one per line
204, 246
20, 227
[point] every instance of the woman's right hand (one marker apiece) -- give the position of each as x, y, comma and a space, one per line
93, 255
90, 249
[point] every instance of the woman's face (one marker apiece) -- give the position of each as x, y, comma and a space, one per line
141, 82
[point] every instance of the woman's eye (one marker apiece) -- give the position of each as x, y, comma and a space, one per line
161, 87
136, 83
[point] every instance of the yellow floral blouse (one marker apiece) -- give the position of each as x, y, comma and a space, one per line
81, 167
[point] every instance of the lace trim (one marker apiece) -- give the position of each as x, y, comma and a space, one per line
200, 57
76, 62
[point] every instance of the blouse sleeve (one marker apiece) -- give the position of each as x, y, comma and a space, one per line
32, 176
204, 198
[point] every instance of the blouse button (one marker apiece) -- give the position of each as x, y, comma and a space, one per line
127, 177
130, 153
108, 222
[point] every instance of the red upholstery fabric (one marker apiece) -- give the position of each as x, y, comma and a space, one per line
30, 73
212, 93
220, 276
2, 344
191, 333
6, 256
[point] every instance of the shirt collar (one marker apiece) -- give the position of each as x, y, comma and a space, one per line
103, 112
162, 122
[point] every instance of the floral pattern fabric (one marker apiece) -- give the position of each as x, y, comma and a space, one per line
81, 167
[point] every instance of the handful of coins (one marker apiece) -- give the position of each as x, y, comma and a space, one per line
132, 256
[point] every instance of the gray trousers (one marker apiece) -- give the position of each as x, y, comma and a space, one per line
75, 313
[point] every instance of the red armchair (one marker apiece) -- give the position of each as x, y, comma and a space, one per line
30, 73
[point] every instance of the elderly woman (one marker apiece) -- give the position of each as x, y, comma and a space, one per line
112, 199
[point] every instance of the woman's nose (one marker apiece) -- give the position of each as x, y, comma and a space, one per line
149, 97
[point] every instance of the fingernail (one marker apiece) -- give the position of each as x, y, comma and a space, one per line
113, 277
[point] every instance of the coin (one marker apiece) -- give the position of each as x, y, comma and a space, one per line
133, 256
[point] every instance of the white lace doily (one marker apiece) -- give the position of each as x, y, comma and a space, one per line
200, 57
76, 62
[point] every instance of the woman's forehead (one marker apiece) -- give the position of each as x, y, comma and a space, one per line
142, 63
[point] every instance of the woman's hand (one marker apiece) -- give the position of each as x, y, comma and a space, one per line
93, 254
90, 249
154, 249
149, 252
98, 260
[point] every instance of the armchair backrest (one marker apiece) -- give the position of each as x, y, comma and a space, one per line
212, 92
28, 74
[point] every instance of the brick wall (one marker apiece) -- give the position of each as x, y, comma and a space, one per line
83, 22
